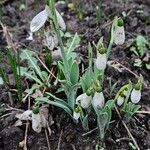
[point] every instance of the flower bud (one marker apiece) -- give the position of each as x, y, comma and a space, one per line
36, 122
76, 113
135, 96
121, 99
98, 100
101, 61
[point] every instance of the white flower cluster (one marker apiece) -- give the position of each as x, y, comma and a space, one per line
85, 101
135, 95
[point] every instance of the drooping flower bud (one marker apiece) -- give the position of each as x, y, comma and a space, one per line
76, 113
101, 59
119, 33
121, 99
36, 122
84, 100
98, 100
136, 93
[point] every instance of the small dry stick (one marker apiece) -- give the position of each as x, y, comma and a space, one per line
46, 135
59, 142
45, 67
134, 141
27, 124
143, 112
90, 131
145, 84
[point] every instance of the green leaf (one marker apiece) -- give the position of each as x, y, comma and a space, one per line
55, 103
85, 123
138, 63
24, 72
74, 74
147, 66
32, 61
102, 121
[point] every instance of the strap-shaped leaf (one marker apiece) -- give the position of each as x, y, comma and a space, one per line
74, 74
55, 103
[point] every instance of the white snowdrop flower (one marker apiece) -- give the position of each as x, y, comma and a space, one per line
98, 100
120, 100
136, 93
119, 37
101, 61
135, 96
39, 20
36, 122
61, 21
84, 100
119, 33
76, 115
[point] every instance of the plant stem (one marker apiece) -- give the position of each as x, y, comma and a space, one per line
66, 66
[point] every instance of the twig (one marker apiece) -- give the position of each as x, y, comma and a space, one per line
143, 112
6, 115
45, 67
145, 84
89, 132
27, 125
46, 135
122, 139
8, 37
59, 142
129, 133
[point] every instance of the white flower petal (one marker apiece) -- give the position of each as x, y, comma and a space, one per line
76, 115
119, 37
98, 100
84, 100
61, 21
30, 37
101, 61
36, 122
39, 20
120, 101
1, 81
135, 96
26, 115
